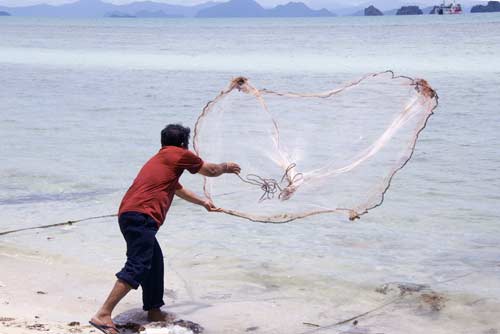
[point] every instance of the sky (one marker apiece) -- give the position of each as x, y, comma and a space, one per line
267, 3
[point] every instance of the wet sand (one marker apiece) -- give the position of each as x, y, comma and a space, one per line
47, 294
51, 294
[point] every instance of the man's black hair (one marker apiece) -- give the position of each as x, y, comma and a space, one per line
175, 135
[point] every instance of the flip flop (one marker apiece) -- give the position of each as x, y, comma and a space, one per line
104, 328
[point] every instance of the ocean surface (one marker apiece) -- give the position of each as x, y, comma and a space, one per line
82, 103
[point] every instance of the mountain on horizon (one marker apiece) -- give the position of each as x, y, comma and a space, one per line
297, 9
251, 8
150, 9
234, 8
98, 8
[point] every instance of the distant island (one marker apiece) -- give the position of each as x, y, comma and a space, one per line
221, 9
409, 10
492, 6
234, 8
120, 15
297, 9
251, 8
151, 9
143, 14
98, 8
156, 14
373, 11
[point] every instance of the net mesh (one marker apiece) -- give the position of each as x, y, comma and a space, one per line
305, 154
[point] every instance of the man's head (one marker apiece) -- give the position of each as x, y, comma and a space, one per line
175, 135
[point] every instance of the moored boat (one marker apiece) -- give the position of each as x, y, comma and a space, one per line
445, 9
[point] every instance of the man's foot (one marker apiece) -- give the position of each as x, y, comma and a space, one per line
158, 315
104, 324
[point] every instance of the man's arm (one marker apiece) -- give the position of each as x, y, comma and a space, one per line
193, 198
214, 170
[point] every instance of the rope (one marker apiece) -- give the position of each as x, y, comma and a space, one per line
271, 186
342, 322
381, 306
67, 223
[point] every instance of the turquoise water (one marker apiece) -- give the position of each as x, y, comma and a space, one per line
83, 102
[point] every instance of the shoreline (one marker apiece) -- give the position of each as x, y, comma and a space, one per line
32, 301
52, 294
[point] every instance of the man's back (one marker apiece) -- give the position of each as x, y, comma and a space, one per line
154, 187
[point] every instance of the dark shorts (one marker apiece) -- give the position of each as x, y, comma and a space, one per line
144, 266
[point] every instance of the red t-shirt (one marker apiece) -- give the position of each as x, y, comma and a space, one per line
155, 185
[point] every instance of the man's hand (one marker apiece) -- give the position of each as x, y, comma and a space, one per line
207, 204
193, 198
214, 170
232, 167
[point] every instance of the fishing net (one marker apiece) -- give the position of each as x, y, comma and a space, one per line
305, 154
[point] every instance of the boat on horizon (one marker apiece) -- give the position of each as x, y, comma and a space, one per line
445, 9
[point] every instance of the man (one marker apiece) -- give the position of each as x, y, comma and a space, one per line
142, 212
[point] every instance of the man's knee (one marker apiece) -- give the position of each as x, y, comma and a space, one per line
134, 273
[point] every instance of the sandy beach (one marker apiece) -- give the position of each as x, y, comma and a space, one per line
54, 295
40, 294
43, 294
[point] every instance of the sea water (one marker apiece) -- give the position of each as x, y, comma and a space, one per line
82, 103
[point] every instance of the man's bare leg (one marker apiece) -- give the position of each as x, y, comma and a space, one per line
155, 315
103, 316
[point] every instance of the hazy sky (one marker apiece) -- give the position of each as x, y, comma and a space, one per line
347, 3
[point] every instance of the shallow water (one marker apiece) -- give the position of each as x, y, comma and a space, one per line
83, 101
